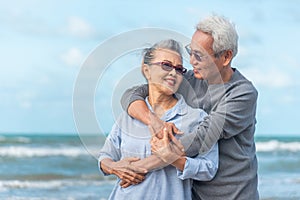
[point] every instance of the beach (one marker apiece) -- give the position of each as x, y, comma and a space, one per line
51, 166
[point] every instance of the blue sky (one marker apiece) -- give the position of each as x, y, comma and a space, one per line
44, 43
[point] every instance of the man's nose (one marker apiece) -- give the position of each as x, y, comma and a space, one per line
193, 60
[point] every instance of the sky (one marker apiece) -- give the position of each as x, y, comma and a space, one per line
44, 45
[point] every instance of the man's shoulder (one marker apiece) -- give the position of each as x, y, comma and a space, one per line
240, 82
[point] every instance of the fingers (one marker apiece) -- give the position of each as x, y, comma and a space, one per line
176, 130
151, 131
168, 128
124, 184
134, 177
177, 144
130, 177
155, 133
165, 137
153, 144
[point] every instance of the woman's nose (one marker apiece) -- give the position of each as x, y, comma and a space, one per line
173, 72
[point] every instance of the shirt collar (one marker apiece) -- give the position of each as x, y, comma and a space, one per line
180, 108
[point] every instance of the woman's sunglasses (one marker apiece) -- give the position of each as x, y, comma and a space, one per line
168, 66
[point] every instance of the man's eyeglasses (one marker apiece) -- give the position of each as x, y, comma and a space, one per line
168, 66
197, 56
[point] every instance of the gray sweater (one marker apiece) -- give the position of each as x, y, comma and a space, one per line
231, 123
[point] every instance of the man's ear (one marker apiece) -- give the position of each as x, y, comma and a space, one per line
227, 57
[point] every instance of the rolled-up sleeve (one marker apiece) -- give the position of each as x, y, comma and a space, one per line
111, 148
202, 167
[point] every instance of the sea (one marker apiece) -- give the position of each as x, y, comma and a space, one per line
51, 166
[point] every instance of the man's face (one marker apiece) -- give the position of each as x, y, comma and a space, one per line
206, 65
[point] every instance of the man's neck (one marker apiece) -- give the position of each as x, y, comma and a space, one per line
224, 76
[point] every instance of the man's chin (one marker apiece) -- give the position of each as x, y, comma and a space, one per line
198, 76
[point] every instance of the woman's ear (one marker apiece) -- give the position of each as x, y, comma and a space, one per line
146, 71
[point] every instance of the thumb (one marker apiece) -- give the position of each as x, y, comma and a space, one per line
176, 130
151, 131
165, 134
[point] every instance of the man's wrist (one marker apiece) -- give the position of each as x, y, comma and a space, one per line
155, 122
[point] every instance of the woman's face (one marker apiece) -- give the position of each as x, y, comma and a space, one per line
161, 80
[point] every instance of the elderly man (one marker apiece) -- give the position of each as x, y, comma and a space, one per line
230, 101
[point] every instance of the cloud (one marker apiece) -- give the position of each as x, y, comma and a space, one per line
269, 78
73, 57
25, 98
79, 27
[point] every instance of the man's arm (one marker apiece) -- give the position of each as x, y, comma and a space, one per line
133, 101
234, 114
133, 94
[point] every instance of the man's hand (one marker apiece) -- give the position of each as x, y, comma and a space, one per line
165, 149
156, 126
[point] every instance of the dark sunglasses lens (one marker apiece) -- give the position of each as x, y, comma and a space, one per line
179, 70
167, 66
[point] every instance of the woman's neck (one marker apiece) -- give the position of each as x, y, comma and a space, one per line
161, 102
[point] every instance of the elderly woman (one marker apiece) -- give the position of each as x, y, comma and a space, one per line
129, 139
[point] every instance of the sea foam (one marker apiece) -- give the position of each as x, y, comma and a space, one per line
275, 145
22, 151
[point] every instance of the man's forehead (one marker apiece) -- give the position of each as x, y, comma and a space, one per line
201, 42
197, 47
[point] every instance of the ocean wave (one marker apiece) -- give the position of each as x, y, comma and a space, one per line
21, 151
47, 184
2, 138
275, 145
19, 139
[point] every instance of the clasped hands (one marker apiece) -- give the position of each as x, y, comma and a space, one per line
163, 144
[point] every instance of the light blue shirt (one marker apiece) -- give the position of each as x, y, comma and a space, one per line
131, 138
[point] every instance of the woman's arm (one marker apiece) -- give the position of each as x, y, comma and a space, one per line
109, 158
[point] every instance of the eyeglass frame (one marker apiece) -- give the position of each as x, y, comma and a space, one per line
199, 57
178, 68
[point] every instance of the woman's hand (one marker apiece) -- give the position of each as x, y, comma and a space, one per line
169, 150
124, 169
